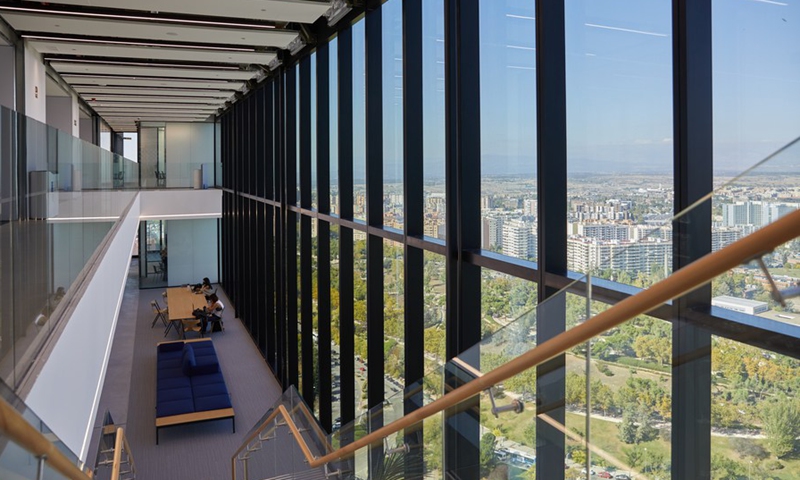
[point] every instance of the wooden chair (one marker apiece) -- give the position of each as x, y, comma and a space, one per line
159, 312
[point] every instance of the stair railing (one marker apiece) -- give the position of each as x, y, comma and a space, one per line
17, 429
696, 274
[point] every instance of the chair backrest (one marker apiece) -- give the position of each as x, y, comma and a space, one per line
154, 305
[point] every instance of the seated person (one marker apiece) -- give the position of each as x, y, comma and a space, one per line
204, 287
213, 312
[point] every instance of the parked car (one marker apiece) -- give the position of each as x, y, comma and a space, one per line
621, 476
604, 475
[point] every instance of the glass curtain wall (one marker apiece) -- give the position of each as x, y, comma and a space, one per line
417, 196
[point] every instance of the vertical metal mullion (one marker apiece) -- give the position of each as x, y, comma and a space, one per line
290, 222
323, 236
305, 233
374, 202
280, 243
551, 175
271, 335
346, 314
413, 170
693, 177
463, 181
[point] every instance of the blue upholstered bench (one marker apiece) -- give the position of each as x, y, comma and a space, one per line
190, 386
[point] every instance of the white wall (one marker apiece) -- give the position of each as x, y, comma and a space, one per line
168, 204
192, 247
189, 145
35, 78
7, 76
67, 391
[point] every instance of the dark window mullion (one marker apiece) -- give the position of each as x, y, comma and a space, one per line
306, 310
551, 175
693, 177
323, 237
346, 327
413, 298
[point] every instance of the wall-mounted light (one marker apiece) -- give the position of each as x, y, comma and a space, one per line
296, 45
339, 9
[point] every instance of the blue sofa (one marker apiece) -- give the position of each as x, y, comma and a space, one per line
190, 386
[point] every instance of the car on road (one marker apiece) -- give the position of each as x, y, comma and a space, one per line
621, 476
605, 474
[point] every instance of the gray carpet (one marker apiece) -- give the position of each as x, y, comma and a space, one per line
197, 451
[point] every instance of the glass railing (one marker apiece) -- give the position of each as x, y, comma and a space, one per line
617, 420
17, 461
59, 198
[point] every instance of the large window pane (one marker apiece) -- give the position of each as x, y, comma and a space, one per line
333, 92
360, 319
619, 130
433, 117
336, 392
755, 412
630, 396
359, 122
508, 127
314, 131
392, 73
393, 324
755, 83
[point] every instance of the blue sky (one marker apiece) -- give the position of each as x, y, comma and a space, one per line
619, 85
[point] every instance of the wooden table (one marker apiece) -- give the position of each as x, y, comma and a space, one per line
182, 302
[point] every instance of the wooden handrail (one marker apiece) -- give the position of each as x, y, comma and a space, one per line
16, 428
121, 444
115, 465
680, 282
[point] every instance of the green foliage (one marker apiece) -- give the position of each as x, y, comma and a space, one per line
723, 468
605, 370
627, 429
488, 442
781, 425
579, 456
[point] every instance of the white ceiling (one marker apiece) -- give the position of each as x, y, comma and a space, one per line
149, 99
107, 80
277, 10
156, 53
150, 71
167, 92
160, 60
106, 27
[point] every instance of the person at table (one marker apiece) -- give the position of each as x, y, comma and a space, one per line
213, 311
204, 288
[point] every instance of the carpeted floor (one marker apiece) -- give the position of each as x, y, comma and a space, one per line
197, 451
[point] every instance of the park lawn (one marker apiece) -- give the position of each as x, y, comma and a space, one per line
621, 373
604, 437
722, 446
